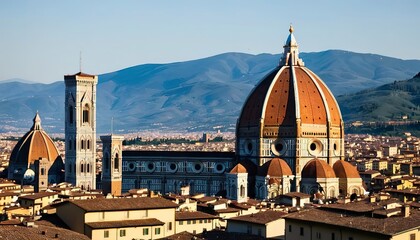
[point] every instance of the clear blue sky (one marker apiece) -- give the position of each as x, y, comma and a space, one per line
41, 40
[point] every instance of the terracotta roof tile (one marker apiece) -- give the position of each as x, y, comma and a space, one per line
386, 226
260, 217
39, 195
344, 169
276, 167
317, 168
40, 232
239, 168
118, 204
125, 223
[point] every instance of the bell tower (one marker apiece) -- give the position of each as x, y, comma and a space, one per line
112, 164
80, 129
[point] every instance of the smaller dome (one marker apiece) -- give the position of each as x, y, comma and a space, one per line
239, 168
317, 168
344, 169
276, 167
34, 145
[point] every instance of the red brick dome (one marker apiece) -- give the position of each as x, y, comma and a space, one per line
290, 92
317, 168
239, 168
34, 145
276, 167
344, 169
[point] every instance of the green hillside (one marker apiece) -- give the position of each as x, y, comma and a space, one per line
398, 101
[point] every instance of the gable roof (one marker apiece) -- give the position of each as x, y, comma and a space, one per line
260, 217
119, 204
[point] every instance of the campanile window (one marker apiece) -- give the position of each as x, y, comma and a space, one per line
85, 115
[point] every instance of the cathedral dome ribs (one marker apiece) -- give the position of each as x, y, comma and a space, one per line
293, 115
34, 145
288, 99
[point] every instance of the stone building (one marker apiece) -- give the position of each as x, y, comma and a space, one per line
35, 159
289, 135
80, 129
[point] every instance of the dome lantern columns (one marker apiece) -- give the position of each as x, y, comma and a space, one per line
291, 51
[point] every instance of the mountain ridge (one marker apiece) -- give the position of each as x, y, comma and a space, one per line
195, 95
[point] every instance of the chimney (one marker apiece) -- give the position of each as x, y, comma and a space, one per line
406, 210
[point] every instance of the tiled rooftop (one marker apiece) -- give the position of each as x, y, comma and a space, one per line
260, 217
387, 226
38, 195
125, 223
117, 204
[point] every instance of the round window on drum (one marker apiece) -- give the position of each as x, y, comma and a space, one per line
315, 147
150, 167
248, 147
197, 167
131, 166
219, 168
172, 167
336, 148
279, 147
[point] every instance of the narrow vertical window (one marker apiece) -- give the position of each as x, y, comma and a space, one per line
82, 167
85, 114
116, 162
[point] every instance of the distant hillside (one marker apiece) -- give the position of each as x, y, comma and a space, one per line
195, 95
388, 102
16, 80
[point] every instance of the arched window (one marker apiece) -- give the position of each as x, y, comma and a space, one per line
332, 193
42, 171
88, 144
242, 191
86, 113
88, 168
82, 144
82, 167
116, 162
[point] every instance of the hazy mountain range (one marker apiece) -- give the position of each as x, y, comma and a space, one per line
197, 95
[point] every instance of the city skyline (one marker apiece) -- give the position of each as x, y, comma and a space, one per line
43, 40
